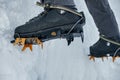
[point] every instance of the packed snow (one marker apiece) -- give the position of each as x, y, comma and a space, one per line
56, 61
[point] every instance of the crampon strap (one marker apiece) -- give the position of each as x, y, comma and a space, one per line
58, 7
110, 41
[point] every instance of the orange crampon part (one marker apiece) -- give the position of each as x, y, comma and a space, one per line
22, 41
92, 58
113, 58
27, 46
19, 41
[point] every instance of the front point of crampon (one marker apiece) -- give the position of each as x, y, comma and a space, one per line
27, 43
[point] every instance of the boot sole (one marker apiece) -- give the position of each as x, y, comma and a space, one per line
59, 32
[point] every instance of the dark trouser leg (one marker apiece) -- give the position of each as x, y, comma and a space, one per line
107, 25
103, 17
60, 2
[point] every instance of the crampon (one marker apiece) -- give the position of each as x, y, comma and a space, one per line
29, 42
105, 48
27, 37
103, 58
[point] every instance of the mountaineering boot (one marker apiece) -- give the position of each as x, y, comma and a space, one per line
55, 22
105, 47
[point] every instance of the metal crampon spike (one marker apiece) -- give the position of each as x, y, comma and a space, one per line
82, 36
113, 58
102, 59
20, 41
69, 39
107, 57
39, 42
92, 58
27, 46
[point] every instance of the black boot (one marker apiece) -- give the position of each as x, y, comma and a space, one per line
51, 24
106, 47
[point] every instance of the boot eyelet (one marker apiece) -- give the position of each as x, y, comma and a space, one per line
108, 44
62, 12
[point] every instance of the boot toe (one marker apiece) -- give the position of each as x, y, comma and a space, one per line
20, 29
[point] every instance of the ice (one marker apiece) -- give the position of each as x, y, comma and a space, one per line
56, 61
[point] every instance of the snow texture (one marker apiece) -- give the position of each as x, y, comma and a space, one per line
56, 61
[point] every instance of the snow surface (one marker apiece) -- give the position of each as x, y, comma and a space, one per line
56, 61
